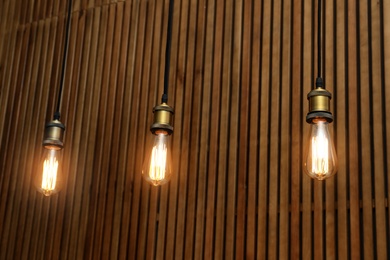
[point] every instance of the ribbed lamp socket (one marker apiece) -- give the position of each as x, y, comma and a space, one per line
319, 105
162, 119
54, 134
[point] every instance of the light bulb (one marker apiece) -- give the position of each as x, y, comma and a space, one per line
157, 165
48, 180
320, 160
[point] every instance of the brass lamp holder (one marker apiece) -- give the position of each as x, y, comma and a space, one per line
319, 103
54, 133
162, 119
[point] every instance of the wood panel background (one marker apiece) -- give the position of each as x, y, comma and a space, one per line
240, 73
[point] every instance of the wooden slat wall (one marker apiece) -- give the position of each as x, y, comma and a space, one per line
240, 72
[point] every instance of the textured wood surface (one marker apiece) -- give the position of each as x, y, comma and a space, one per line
240, 72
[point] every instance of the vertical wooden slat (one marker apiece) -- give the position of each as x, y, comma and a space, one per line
253, 155
35, 10
296, 123
274, 128
42, 10
48, 12
340, 121
376, 51
242, 53
386, 50
56, 5
250, 49
234, 75
365, 119
264, 132
353, 167
3, 14
285, 130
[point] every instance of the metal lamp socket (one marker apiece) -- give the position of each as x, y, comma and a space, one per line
162, 119
54, 134
319, 105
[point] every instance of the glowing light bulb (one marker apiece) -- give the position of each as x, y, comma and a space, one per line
157, 166
49, 174
47, 180
321, 159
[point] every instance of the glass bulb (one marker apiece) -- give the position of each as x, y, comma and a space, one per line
321, 159
48, 179
157, 165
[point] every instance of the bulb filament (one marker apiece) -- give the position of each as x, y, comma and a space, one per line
158, 162
49, 176
320, 162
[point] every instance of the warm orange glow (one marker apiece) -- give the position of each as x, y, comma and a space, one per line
157, 165
49, 174
320, 161
158, 162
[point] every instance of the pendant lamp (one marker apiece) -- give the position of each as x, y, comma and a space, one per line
320, 160
48, 179
156, 168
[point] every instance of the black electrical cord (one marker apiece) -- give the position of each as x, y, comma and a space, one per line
164, 98
319, 81
57, 114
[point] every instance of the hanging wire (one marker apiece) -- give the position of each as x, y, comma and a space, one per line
319, 81
57, 114
164, 98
